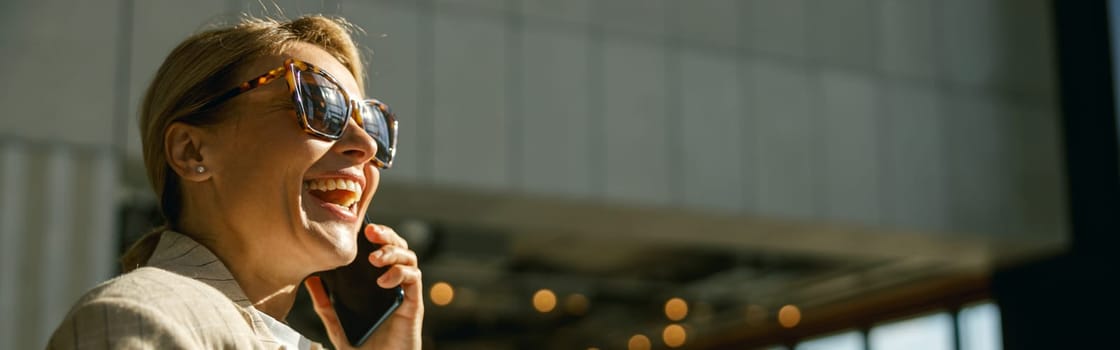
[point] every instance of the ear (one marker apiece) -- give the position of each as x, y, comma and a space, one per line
183, 146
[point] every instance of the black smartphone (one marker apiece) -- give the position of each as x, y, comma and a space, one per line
360, 303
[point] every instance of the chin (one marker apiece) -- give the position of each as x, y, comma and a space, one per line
336, 244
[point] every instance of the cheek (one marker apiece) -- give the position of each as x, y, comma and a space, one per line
270, 162
375, 179
276, 142
373, 176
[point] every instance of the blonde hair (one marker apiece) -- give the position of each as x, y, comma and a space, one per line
203, 66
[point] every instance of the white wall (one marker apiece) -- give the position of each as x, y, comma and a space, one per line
935, 116
58, 168
57, 233
922, 115
61, 60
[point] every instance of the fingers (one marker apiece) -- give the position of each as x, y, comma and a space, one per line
400, 275
392, 255
322, 305
384, 235
394, 252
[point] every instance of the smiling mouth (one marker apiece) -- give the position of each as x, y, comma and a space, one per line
340, 192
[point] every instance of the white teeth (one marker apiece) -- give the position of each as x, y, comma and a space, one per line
336, 184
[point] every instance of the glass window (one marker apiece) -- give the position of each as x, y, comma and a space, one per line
980, 327
931, 332
852, 340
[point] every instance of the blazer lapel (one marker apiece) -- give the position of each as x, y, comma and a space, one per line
185, 256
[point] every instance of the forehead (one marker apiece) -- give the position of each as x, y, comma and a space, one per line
307, 53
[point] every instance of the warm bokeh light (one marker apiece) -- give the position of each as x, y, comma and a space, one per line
676, 309
756, 314
577, 304
638, 342
789, 316
674, 335
544, 300
441, 293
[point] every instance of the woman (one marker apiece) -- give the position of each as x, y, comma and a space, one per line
264, 158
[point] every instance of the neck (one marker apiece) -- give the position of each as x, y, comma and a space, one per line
268, 278
269, 295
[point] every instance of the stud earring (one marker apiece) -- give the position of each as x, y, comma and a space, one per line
200, 169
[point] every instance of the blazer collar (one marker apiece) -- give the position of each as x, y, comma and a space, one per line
182, 255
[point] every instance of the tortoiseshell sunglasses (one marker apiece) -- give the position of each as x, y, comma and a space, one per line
322, 106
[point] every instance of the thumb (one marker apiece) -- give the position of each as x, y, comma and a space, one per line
323, 308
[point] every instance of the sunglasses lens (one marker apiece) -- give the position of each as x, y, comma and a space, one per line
380, 124
323, 104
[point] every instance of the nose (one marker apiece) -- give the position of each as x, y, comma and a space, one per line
356, 144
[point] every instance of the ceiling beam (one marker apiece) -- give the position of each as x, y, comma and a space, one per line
520, 214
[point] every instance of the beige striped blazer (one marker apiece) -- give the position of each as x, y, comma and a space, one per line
185, 298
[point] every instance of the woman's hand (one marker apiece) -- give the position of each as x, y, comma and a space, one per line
402, 329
